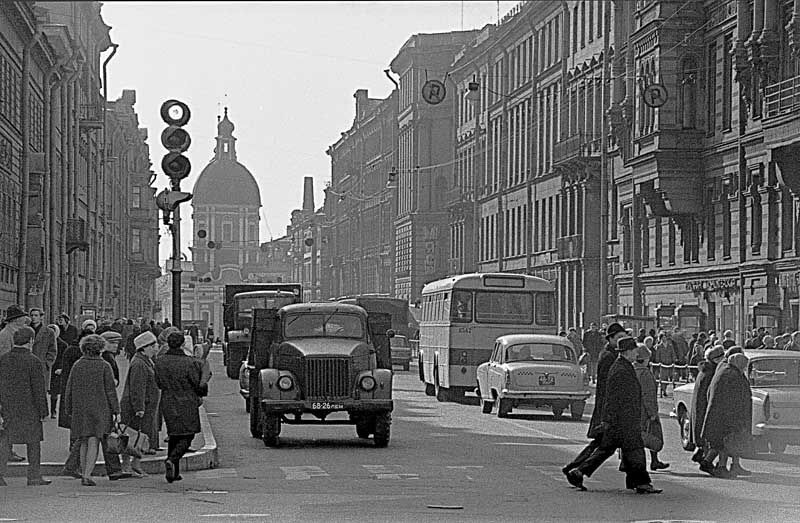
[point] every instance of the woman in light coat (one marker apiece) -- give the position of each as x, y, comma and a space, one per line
650, 420
140, 398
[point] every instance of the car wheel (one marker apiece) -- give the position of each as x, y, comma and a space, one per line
271, 428
383, 425
686, 431
503, 408
576, 410
558, 412
255, 418
777, 446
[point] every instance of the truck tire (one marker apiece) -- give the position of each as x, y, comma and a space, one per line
365, 427
255, 418
383, 425
232, 368
271, 429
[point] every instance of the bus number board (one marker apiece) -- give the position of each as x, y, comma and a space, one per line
504, 281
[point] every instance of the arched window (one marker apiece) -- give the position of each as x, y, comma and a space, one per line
688, 94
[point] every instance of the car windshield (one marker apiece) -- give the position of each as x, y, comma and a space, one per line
774, 372
398, 341
321, 325
539, 352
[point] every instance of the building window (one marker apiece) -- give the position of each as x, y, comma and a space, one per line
136, 197
227, 232
658, 239
136, 240
711, 223
583, 24
689, 94
591, 20
711, 91
727, 82
726, 219
575, 29
671, 240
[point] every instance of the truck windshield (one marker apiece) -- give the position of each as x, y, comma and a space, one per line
320, 325
245, 305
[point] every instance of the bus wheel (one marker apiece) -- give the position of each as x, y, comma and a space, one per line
442, 394
429, 390
558, 412
383, 424
486, 406
503, 408
421, 372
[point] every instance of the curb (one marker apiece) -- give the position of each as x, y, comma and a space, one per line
204, 458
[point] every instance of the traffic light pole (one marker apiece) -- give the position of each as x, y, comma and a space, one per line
176, 266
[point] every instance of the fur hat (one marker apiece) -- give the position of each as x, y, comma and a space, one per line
144, 339
613, 329
15, 311
642, 352
712, 353
88, 322
739, 361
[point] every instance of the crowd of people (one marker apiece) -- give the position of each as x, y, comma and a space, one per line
626, 416
167, 377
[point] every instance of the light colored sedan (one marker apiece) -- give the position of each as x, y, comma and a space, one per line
533, 370
775, 387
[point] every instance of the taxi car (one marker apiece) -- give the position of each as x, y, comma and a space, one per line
533, 370
774, 377
400, 351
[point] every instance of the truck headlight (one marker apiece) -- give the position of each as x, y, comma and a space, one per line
246, 331
285, 383
367, 383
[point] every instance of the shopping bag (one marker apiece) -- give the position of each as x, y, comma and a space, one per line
117, 440
652, 436
136, 441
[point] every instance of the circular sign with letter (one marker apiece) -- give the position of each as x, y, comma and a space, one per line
433, 92
655, 95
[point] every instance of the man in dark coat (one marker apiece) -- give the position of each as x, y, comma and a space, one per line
23, 404
593, 344
697, 411
621, 425
730, 410
615, 333
69, 333
180, 379
44, 344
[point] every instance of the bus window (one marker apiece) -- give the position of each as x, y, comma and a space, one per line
461, 310
503, 307
545, 308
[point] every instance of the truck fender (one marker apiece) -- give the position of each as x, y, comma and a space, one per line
384, 379
269, 390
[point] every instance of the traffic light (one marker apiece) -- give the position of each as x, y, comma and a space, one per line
168, 201
176, 140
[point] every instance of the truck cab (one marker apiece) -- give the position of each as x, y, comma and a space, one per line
240, 301
310, 360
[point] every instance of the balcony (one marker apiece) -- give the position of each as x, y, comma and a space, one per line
782, 98
570, 247
90, 116
576, 148
76, 235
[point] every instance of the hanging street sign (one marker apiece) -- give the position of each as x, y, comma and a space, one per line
655, 95
433, 92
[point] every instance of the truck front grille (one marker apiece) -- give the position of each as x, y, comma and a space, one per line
327, 378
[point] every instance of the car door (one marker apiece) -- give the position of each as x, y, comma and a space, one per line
483, 375
496, 368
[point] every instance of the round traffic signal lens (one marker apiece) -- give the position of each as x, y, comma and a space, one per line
175, 139
201, 233
211, 245
176, 165
175, 112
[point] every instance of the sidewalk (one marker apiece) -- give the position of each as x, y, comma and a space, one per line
55, 447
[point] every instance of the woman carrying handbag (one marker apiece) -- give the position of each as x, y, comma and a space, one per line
652, 435
139, 403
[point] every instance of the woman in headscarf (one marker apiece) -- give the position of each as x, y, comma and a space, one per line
651, 424
91, 402
140, 398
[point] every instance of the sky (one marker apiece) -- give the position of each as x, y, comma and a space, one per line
286, 71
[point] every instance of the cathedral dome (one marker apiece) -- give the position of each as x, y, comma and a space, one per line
225, 181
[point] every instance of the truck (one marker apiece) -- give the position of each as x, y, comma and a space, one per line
240, 300
310, 360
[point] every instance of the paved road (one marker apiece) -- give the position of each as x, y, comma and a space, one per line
444, 462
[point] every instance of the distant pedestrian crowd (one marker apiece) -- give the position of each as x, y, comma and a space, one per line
167, 378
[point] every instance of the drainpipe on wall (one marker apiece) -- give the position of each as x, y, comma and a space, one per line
70, 144
22, 255
102, 184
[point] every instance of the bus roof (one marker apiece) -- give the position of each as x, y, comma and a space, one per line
490, 281
257, 294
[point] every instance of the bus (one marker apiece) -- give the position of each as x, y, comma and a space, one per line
397, 308
463, 315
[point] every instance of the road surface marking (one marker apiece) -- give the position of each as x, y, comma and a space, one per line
441, 434
234, 515
303, 473
465, 467
216, 473
388, 472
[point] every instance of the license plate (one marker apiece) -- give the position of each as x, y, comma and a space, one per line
326, 406
544, 379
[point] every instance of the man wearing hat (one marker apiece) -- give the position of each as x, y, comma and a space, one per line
16, 317
614, 333
69, 333
44, 343
697, 410
621, 425
112, 340
23, 404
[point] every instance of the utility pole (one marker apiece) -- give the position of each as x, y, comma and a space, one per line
176, 166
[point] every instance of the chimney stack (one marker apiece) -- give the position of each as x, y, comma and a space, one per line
308, 194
